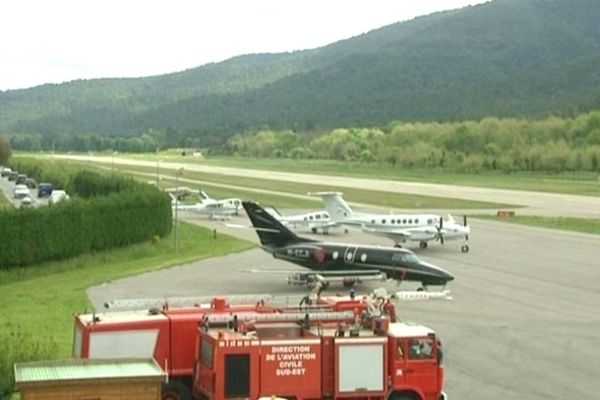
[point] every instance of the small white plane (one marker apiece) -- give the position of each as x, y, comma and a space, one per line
400, 228
313, 221
224, 208
229, 203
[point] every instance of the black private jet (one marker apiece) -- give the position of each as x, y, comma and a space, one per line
342, 260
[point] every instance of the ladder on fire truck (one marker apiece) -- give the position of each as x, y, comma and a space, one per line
268, 299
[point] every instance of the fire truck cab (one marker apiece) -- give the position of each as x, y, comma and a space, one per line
303, 360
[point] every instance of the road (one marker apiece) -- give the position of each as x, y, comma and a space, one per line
524, 322
544, 204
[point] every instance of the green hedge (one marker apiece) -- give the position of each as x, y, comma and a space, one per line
131, 212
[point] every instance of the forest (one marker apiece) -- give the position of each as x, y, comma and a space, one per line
506, 58
552, 144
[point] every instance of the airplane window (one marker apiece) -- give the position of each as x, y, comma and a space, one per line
318, 216
335, 255
363, 257
372, 221
310, 217
410, 221
416, 221
404, 221
409, 257
349, 256
420, 349
383, 221
429, 221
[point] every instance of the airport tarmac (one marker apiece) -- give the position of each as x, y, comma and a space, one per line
524, 322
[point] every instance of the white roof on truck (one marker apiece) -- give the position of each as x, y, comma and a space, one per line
404, 329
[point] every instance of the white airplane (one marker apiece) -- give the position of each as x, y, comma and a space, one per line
312, 221
214, 208
400, 228
229, 204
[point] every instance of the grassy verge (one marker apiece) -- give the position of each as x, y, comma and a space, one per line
4, 202
581, 183
569, 224
40, 300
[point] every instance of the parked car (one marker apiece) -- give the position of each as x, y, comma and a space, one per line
30, 183
13, 176
27, 202
21, 191
21, 178
45, 189
58, 196
5, 172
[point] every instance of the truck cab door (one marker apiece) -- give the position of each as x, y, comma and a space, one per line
422, 365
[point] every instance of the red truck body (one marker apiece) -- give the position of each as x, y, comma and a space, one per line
174, 338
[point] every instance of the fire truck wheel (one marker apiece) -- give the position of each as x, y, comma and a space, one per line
401, 396
175, 390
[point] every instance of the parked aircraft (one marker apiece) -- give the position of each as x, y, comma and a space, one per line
213, 210
230, 203
337, 259
208, 206
313, 221
400, 228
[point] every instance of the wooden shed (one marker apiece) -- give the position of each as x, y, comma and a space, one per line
77, 379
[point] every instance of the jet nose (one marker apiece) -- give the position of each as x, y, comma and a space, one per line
438, 276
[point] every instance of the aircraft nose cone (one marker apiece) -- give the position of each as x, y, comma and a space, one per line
438, 276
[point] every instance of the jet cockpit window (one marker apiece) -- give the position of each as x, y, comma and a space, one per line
411, 258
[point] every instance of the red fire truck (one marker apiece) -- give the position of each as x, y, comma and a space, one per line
169, 334
367, 359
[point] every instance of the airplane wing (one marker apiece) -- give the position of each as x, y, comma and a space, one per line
403, 234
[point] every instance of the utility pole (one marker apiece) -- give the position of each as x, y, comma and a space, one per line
158, 173
178, 172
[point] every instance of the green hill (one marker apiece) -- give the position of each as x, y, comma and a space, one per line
504, 58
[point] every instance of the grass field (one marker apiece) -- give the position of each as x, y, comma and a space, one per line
569, 224
4, 203
582, 183
40, 300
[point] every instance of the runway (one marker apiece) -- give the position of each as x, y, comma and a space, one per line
524, 322
537, 203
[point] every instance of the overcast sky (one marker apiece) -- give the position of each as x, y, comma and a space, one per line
52, 41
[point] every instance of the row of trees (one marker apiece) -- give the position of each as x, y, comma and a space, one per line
552, 144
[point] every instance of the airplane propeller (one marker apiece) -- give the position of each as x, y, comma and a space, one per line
439, 235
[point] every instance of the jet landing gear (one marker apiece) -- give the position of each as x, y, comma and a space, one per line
423, 244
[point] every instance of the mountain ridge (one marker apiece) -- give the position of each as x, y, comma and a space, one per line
521, 58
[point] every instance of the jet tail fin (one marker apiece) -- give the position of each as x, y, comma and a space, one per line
203, 195
335, 205
271, 232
